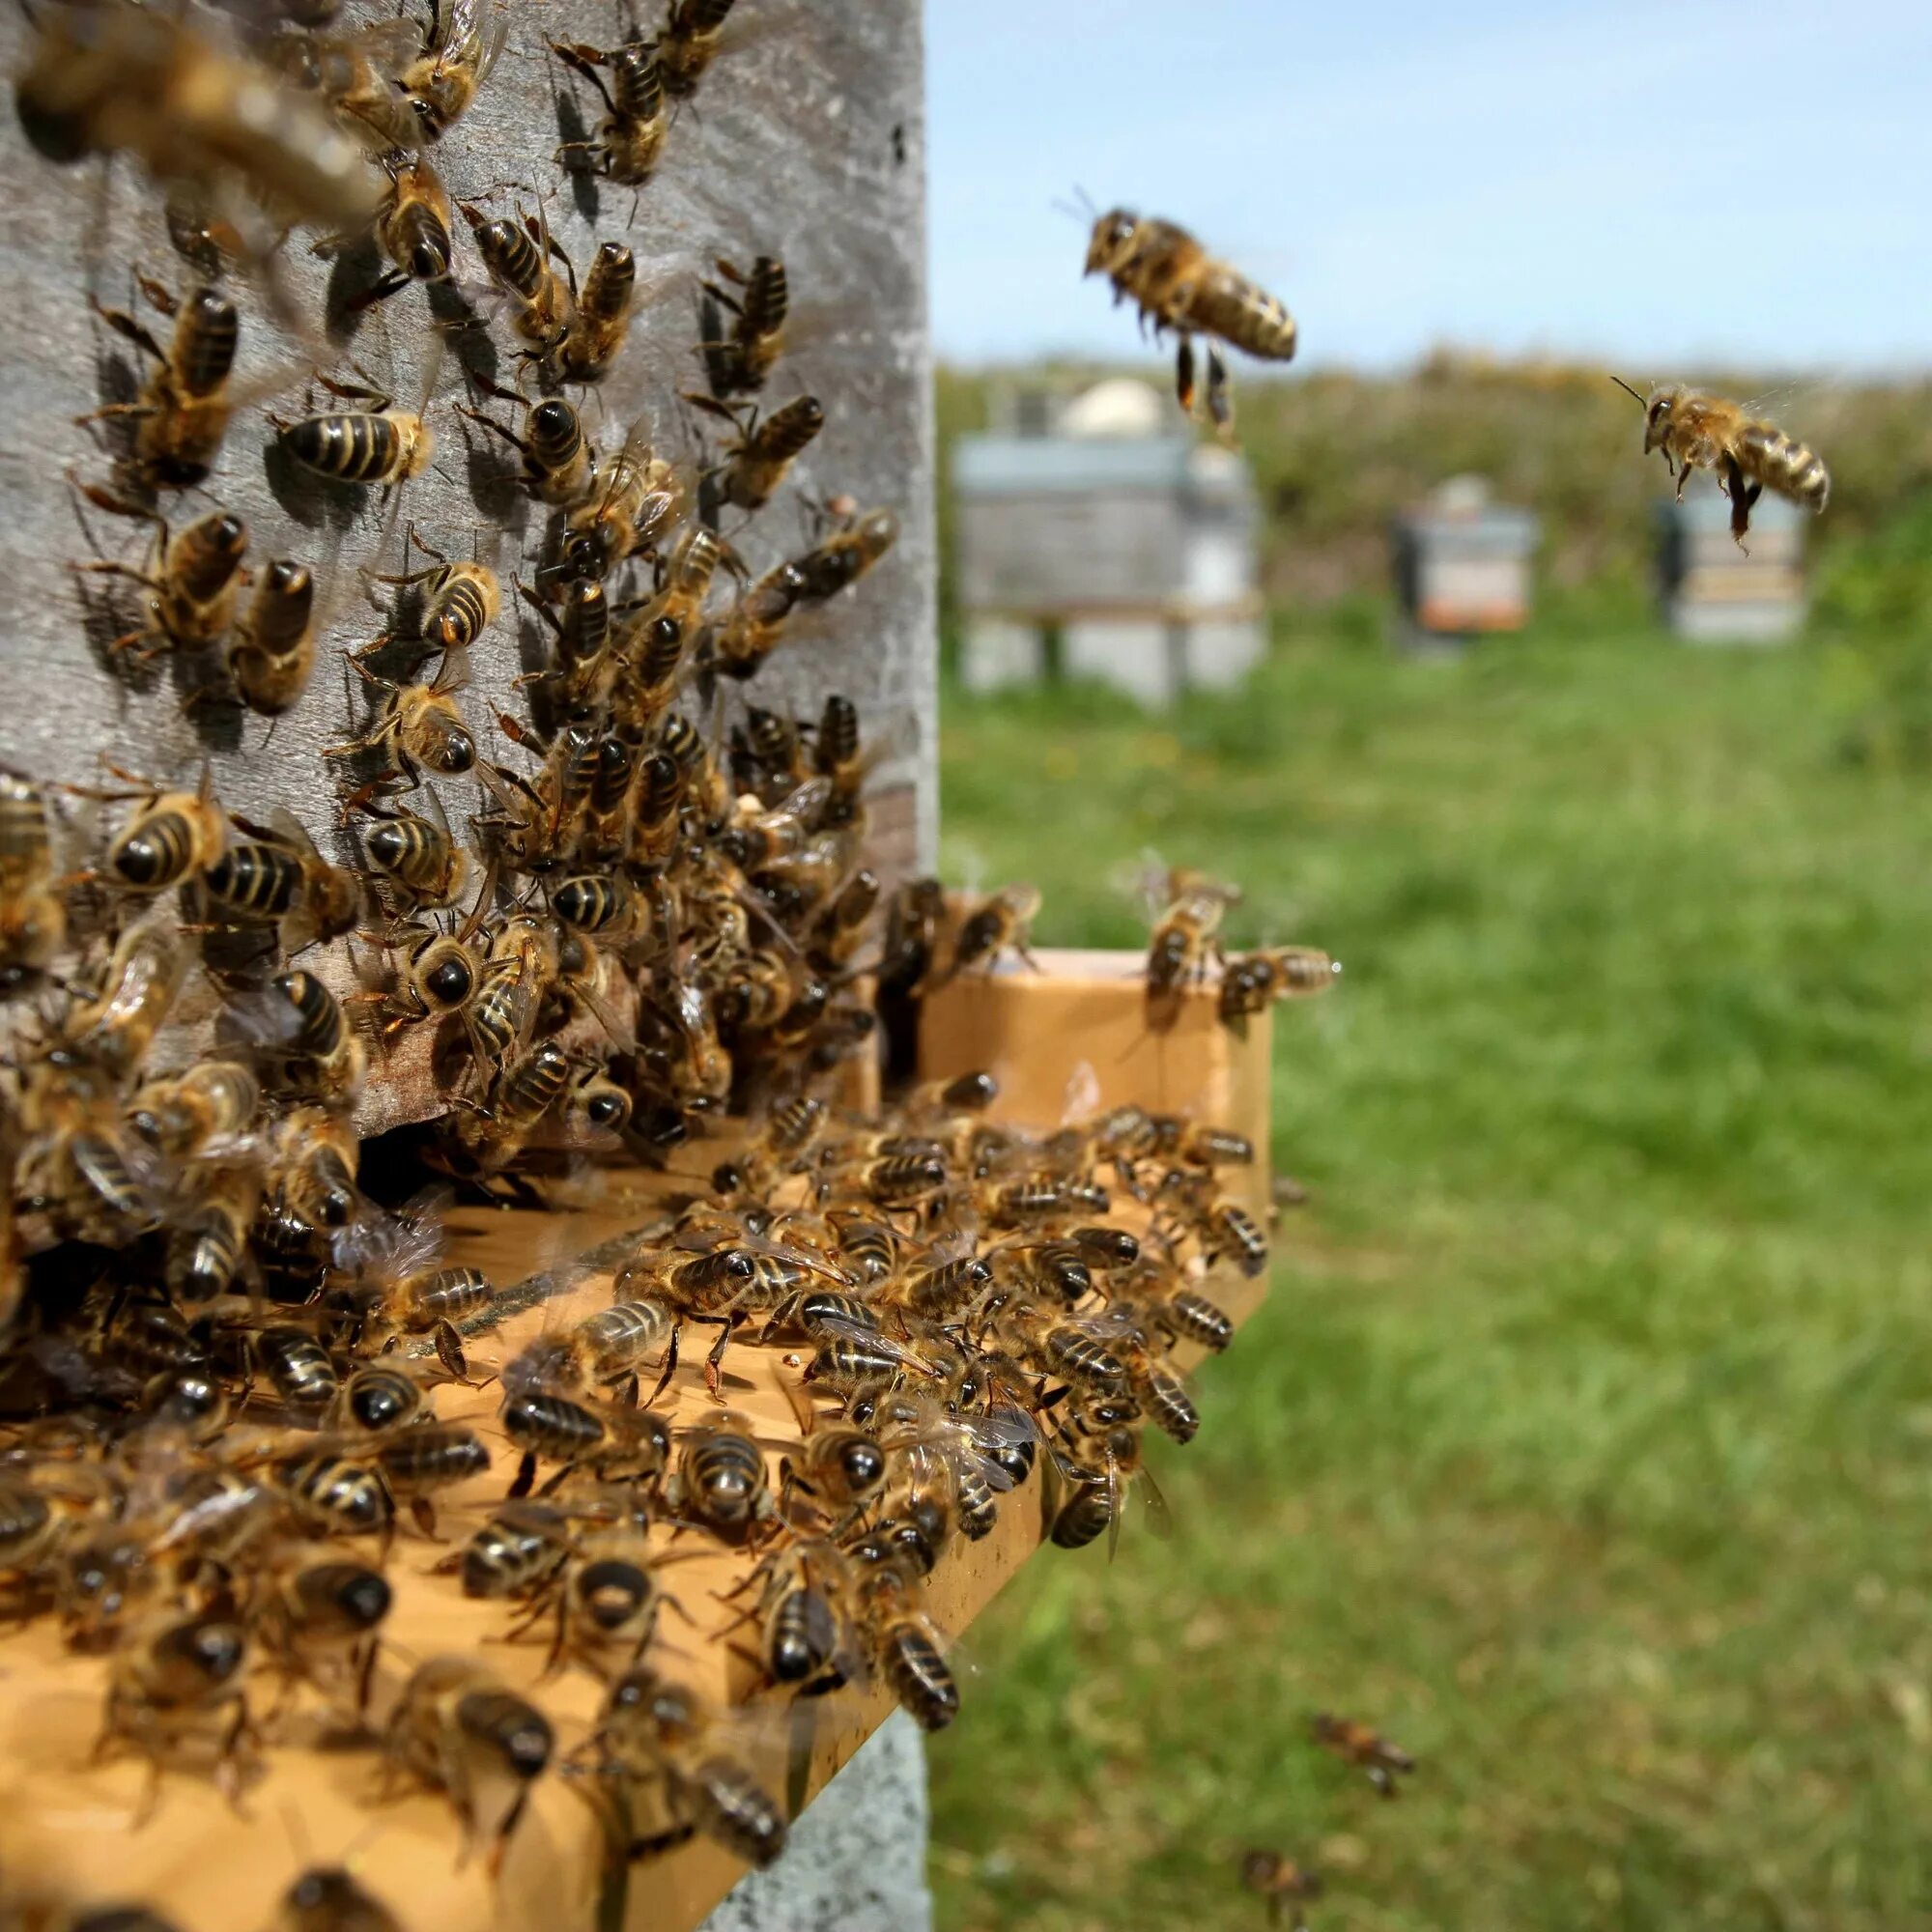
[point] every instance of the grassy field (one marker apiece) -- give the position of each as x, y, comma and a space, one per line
1585, 1442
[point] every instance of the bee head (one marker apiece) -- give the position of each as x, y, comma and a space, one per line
1112, 241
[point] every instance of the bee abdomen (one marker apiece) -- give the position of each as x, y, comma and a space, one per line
258, 879
609, 286
158, 855
1201, 1321
636, 83
355, 446
1785, 465
919, 1678
210, 330
739, 1815
448, 1296
1239, 311
1171, 1407
552, 1425
461, 611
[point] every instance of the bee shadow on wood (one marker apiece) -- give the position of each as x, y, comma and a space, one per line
316, 502
208, 700
355, 270
576, 132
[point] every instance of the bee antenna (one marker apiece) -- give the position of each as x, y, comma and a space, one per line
1622, 385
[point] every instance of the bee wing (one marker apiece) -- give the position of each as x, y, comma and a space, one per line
903, 1353
808, 801
400, 1245
1082, 1099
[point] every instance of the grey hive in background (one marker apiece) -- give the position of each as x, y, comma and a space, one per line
807, 141
1109, 542
1463, 566
1712, 591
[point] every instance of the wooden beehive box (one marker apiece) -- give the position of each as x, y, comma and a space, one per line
1715, 592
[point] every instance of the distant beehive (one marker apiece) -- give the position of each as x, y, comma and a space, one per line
1463, 564
1713, 591
1106, 550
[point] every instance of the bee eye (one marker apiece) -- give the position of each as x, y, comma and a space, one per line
459, 752
450, 983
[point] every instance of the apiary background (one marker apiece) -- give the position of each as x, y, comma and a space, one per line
806, 141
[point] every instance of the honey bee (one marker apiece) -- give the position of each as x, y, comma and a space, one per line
1178, 285
462, 602
33, 912
378, 443
998, 925
417, 858
616, 1441
113, 79
1250, 983
741, 360
516, 1554
411, 229
210, 1243
193, 585
807, 1609
271, 647
1749, 455
632, 136
517, 259
752, 629
558, 468
335, 1494
905, 1645
528, 1086
857, 541
1284, 1883
320, 1623
1358, 1744
603, 315
181, 413
911, 946
689, 43
1225, 1230
206, 1107
603, 1347
328, 1898
756, 462
305, 1040
1182, 941
661, 1738
312, 1165
462, 50
607, 1599
436, 978
457, 1730
1097, 1455
178, 1684
277, 875
643, 499
172, 836
418, 725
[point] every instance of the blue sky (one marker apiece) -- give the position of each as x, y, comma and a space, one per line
1667, 186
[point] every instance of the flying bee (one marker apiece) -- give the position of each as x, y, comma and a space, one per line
456, 1729
1178, 285
104, 80
1362, 1745
210, 1242
910, 950
632, 136
1284, 1883
33, 911
418, 724
193, 585
411, 230
843, 924
417, 859
207, 1106
177, 1684
857, 540
742, 359
181, 413
277, 875
517, 259
270, 649
756, 462
304, 1037
1184, 939
459, 54
602, 317
689, 43
114, 1027
738, 643
640, 502
378, 443
312, 1159
998, 925
558, 468
1251, 982
1749, 455
662, 1738
460, 603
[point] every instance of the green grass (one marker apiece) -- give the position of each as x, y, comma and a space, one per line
1586, 1440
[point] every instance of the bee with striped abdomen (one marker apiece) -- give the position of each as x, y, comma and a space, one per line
181, 413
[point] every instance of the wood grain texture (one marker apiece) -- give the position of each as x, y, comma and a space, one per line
807, 141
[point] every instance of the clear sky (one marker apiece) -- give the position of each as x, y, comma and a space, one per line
1671, 184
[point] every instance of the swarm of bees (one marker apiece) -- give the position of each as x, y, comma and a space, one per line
241, 1392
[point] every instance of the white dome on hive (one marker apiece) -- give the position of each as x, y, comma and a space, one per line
1118, 407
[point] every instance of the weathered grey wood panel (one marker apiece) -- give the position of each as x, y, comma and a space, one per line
806, 141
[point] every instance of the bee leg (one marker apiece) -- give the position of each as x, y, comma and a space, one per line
422, 1513
123, 324
1183, 374
668, 1368
449, 1350
1219, 408
525, 1476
